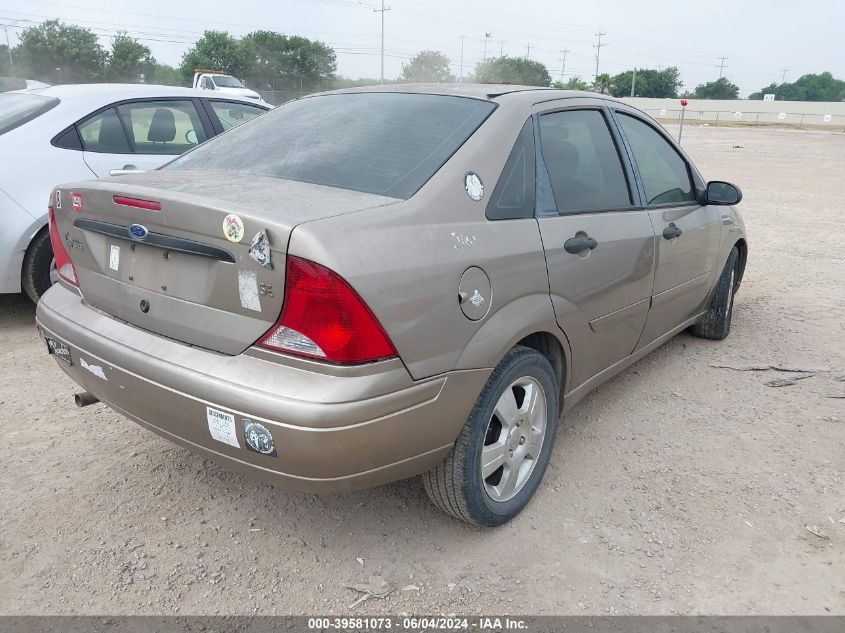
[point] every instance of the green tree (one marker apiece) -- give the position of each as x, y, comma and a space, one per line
5, 66
811, 87
772, 88
129, 60
427, 67
574, 83
281, 62
51, 45
512, 70
215, 50
603, 83
649, 83
166, 76
719, 89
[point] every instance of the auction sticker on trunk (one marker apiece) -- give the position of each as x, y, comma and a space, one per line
59, 350
221, 425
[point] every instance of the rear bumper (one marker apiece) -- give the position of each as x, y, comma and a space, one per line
333, 428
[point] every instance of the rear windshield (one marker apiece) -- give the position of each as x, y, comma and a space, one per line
224, 81
384, 143
18, 108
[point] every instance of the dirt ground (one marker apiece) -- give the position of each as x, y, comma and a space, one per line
678, 487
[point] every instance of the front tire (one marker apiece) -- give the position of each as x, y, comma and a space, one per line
502, 452
716, 322
38, 267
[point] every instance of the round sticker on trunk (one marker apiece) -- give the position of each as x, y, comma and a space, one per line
233, 228
473, 186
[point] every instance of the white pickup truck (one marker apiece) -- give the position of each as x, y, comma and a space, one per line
224, 84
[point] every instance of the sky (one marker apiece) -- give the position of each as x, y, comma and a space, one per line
759, 39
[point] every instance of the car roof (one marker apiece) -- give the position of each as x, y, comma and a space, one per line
115, 91
475, 90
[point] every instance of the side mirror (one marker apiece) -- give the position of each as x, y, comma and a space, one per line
720, 192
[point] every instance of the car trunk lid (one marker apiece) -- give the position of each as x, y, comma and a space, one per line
171, 252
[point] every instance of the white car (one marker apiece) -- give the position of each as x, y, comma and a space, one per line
76, 132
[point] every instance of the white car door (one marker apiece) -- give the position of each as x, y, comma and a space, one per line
142, 134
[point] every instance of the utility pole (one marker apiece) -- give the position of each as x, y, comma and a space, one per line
382, 10
563, 63
461, 78
528, 54
598, 46
633, 81
783, 72
6, 28
721, 66
501, 48
487, 36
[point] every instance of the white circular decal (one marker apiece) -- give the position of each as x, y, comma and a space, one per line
473, 186
233, 228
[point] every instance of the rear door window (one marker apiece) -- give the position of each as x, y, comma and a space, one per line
162, 127
583, 162
384, 143
104, 133
664, 173
231, 114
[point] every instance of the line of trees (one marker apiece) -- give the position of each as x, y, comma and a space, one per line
266, 60
821, 87
57, 52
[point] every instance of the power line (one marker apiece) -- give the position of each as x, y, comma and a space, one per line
721, 66
783, 72
598, 46
563, 63
462, 38
382, 11
6, 28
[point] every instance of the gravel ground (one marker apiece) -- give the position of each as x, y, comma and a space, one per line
677, 487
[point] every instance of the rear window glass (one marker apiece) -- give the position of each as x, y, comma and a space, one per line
384, 143
17, 109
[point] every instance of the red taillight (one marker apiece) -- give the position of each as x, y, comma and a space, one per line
64, 266
149, 205
324, 318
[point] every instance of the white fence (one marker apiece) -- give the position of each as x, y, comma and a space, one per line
746, 112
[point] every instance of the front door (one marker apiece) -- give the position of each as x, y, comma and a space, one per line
687, 233
599, 246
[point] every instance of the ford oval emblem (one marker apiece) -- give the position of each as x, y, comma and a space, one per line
138, 231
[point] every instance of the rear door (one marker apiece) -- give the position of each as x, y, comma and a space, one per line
687, 233
599, 243
141, 134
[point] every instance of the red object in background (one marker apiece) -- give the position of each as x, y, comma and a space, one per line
684, 103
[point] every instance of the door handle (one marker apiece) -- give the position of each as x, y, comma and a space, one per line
671, 232
579, 243
127, 169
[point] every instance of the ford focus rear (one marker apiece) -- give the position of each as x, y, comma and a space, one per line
363, 286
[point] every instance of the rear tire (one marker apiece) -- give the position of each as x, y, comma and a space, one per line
716, 322
37, 267
512, 427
